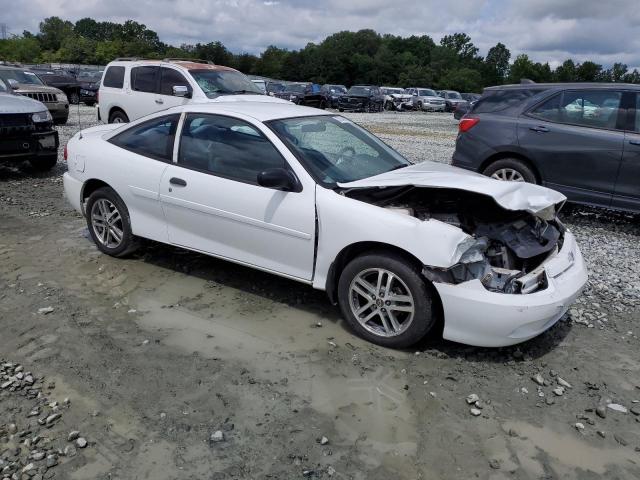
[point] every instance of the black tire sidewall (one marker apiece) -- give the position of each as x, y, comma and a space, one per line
118, 114
128, 243
424, 317
44, 164
515, 164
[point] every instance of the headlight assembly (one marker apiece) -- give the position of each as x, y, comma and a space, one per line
40, 117
61, 97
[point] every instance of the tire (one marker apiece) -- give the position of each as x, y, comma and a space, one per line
419, 106
74, 98
341, 110
323, 105
60, 121
105, 201
89, 104
118, 116
512, 169
412, 327
44, 164
388, 106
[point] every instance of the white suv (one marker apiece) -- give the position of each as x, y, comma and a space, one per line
132, 88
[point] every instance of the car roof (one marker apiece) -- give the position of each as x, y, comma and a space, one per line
261, 111
547, 86
186, 64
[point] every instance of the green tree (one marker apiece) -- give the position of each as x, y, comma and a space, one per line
588, 72
461, 44
462, 80
53, 31
496, 64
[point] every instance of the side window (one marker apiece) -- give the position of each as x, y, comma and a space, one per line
497, 101
114, 77
144, 79
153, 138
227, 147
170, 78
589, 108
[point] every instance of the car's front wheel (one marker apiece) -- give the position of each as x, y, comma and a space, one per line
510, 169
109, 223
385, 300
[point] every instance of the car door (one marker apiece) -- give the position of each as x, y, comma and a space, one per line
213, 204
143, 98
627, 193
137, 161
169, 78
575, 139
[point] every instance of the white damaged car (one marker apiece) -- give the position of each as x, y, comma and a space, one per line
313, 197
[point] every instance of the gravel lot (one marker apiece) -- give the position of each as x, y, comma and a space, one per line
172, 365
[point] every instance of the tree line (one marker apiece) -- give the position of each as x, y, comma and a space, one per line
345, 57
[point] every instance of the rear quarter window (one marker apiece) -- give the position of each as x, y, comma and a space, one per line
501, 100
114, 77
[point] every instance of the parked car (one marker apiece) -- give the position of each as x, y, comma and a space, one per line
452, 99
26, 131
396, 99
261, 84
362, 98
470, 97
274, 87
580, 139
333, 93
29, 84
132, 88
425, 99
311, 196
293, 92
63, 81
89, 85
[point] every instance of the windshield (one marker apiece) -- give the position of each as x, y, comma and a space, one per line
336, 150
390, 91
3, 87
90, 76
454, 95
364, 91
337, 89
223, 82
20, 76
426, 92
296, 88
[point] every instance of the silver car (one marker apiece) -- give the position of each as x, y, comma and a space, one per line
425, 99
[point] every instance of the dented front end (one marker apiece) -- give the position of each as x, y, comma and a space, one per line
504, 249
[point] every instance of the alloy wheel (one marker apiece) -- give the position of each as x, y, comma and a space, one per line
381, 302
107, 224
508, 174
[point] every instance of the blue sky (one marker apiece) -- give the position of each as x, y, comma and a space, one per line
547, 30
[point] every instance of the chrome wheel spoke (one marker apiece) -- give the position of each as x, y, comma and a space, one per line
107, 223
394, 321
366, 285
385, 323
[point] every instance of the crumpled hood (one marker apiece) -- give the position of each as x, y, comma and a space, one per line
10, 103
509, 195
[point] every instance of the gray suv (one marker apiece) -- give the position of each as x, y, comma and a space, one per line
581, 139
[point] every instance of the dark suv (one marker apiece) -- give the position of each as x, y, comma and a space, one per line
581, 139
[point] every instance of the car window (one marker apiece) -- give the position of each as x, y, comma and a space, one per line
144, 79
334, 149
153, 138
227, 147
171, 78
114, 77
499, 100
595, 108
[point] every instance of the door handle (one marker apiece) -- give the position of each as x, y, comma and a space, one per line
539, 129
159, 101
634, 142
178, 182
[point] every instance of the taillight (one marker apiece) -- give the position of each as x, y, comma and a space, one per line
65, 153
467, 124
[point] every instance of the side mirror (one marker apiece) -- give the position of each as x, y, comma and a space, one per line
180, 91
13, 84
279, 179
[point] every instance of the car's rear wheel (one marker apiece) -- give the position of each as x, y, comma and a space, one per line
118, 116
385, 300
510, 169
109, 223
44, 164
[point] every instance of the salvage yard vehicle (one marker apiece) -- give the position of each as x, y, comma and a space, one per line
311, 196
132, 87
293, 92
362, 98
425, 99
333, 94
396, 99
61, 80
26, 131
451, 99
580, 139
28, 84
89, 85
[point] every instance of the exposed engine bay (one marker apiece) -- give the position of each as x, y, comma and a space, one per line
506, 248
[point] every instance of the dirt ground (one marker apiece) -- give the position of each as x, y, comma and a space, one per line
157, 352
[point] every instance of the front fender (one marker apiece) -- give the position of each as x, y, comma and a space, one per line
343, 221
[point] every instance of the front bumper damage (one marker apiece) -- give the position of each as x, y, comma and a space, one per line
477, 316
